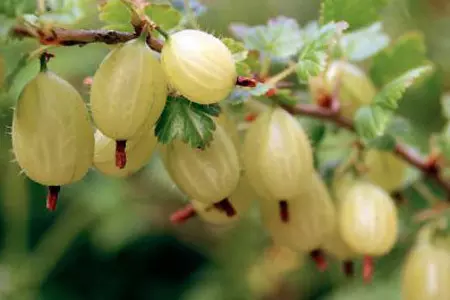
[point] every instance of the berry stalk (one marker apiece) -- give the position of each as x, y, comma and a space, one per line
182, 215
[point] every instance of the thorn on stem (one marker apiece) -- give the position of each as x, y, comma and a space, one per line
348, 267
52, 197
368, 267
284, 211
121, 155
319, 259
226, 207
182, 215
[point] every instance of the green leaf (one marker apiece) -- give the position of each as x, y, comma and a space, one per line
280, 38
116, 14
315, 129
237, 49
444, 142
240, 55
63, 13
312, 58
164, 15
310, 31
15, 8
358, 14
371, 122
386, 142
445, 104
400, 127
187, 121
391, 93
6, 25
243, 69
406, 53
286, 96
10, 12
260, 89
364, 43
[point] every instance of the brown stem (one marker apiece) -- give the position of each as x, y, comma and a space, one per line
80, 37
52, 197
182, 215
401, 150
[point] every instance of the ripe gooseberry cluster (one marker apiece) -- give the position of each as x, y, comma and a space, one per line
128, 95
273, 164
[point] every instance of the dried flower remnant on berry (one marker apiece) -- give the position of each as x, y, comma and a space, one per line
284, 211
348, 267
121, 156
225, 206
318, 256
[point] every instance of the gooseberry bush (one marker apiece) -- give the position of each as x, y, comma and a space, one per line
242, 123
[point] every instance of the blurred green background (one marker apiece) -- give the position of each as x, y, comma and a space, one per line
112, 239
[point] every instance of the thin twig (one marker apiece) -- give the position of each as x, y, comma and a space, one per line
81, 37
402, 151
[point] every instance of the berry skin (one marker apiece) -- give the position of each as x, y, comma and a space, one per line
53, 140
208, 176
384, 169
139, 151
199, 66
426, 272
270, 269
355, 88
277, 155
368, 219
128, 90
310, 221
241, 200
336, 246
